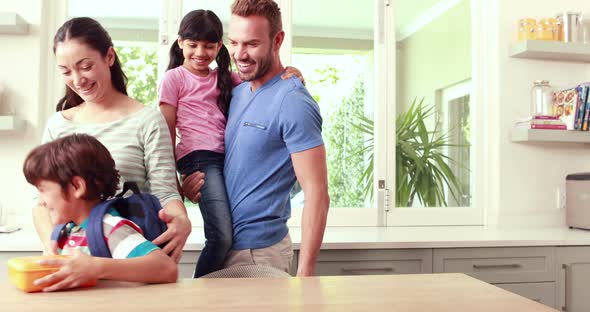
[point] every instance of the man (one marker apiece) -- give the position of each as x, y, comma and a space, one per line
273, 138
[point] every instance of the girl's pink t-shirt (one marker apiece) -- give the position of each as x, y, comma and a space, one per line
199, 121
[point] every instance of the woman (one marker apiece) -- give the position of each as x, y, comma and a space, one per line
96, 103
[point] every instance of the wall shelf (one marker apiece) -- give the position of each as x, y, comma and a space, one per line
12, 23
551, 50
11, 123
520, 134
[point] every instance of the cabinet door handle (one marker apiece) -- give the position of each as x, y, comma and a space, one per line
566, 268
360, 271
497, 266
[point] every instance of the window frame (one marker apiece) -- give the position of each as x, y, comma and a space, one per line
479, 107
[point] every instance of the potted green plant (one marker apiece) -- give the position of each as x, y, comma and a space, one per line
422, 170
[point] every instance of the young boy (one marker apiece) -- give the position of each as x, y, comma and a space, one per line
72, 175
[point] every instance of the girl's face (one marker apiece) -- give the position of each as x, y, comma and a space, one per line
85, 70
198, 55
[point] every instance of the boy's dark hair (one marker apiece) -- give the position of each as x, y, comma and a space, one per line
204, 25
268, 9
74, 155
91, 33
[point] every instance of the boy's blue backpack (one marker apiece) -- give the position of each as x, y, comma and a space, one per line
141, 208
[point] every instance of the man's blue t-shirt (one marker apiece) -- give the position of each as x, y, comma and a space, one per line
263, 129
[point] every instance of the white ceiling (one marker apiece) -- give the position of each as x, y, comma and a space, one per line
354, 13
338, 14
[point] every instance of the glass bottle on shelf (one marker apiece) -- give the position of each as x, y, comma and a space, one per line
541, 98
584, 31
545, 29
526, 29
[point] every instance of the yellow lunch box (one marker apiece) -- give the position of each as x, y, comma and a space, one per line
23, 271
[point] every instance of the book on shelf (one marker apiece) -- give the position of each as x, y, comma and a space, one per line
565, 105
582, 90
549, 127
546, 122
542, 122
585, 109
543, 117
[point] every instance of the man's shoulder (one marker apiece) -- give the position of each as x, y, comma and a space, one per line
296, 92
239, 88
293, 87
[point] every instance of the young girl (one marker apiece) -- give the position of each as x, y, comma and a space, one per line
195, 100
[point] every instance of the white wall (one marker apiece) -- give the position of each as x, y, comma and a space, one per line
21, 58
527, 175
435, 57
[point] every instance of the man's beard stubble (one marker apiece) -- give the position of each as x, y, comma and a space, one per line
263, 66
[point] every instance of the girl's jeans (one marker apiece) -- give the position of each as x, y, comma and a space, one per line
214, 207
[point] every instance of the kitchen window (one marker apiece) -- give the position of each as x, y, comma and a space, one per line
364, 62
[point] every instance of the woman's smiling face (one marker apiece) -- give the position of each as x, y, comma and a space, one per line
85, 70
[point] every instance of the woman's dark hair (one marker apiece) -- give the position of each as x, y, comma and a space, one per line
90, 32
76, 155
204, 25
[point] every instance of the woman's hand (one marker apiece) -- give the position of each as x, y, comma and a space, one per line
179, 228
292, 71
73, 272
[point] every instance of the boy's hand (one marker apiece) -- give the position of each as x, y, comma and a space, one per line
74, 272
179, 228
51, 249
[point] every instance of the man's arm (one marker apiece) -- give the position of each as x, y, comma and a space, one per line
310, 168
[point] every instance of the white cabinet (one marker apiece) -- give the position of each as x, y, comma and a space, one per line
540, 292
573, 279
499, 265
527, 271
374, 261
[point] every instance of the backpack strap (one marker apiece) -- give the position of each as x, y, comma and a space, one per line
127, 186
95, 230
57, 231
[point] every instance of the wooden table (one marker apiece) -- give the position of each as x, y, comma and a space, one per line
420, 292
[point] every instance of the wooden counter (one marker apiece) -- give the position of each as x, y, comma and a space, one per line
423, 292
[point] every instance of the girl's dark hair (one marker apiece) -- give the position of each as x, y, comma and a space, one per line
90, 32
204, 25
76, 155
